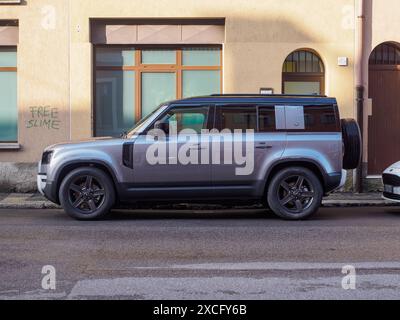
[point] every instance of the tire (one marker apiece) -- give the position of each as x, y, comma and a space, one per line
87, 194
295, 193
352, 144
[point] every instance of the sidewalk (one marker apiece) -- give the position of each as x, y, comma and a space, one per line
37, 201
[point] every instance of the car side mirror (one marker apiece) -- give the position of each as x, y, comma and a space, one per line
163, 126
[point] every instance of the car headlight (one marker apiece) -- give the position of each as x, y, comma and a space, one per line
46, 157
393, 170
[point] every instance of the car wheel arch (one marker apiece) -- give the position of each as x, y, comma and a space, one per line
72, 165
283, 164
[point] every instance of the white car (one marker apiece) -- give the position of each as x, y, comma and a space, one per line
391, 182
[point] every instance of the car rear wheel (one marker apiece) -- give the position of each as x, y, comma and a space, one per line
87, 194
295, 193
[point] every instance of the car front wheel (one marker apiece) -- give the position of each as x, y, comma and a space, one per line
295, 193
87, 194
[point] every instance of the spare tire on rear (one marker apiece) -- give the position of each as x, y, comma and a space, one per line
352, 143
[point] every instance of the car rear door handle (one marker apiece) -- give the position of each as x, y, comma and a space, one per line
263, 146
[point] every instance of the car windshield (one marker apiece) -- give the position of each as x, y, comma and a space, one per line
143, 123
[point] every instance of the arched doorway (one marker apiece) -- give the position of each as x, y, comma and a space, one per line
384, 124
303, 73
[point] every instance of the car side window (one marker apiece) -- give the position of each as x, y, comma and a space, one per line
194, 118
266, 118
236, 117
306, 118
320, 119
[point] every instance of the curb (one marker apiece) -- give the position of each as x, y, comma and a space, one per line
358, 203
36, 205
325, 204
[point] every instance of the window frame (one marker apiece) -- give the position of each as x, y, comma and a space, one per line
11, 69
139, 68
304, 76
208, 114
384, 50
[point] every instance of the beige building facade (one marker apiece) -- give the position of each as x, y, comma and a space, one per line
86, 68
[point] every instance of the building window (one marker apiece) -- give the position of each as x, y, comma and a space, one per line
385, 54
8, 95
132, 81
303, 73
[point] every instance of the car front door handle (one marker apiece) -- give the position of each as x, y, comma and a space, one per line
196, 147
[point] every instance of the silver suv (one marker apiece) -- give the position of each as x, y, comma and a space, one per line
285, 151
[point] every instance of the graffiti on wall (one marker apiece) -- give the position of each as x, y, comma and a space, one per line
43, 117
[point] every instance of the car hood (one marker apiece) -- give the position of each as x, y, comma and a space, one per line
393, 166
81, 143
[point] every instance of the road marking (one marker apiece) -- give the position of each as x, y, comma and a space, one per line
310, 285
228, 288
284, 266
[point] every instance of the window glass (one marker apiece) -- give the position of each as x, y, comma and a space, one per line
115, 101
8, 95
303, 61
8, 107
198, 83
188, 118
302, 87
115, 57
8, 57
320, 119
157, 87
159, 57
240, 117
267, 119
127, 87
201, 57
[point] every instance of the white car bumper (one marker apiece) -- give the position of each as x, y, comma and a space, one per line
41, 181
391, 183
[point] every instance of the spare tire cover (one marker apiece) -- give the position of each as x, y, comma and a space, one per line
352, 143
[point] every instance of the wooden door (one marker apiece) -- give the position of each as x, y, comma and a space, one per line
384, 124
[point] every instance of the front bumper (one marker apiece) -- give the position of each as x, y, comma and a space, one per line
391, 184
41, 180
44, 186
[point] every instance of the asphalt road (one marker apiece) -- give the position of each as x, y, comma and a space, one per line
201, 255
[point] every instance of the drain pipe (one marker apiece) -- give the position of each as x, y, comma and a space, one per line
360, 89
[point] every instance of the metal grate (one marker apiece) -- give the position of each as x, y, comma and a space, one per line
303, 61
385, 54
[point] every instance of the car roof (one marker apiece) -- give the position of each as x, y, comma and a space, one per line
254, 98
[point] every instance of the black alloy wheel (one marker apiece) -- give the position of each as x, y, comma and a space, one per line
87, 193
295, 193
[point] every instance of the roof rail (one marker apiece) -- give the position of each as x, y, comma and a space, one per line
267, 95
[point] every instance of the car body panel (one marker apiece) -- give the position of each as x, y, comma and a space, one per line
143, 181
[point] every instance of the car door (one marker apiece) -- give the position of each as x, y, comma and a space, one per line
176, 174
259, 149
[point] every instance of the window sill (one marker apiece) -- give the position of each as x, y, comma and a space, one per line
10, 146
